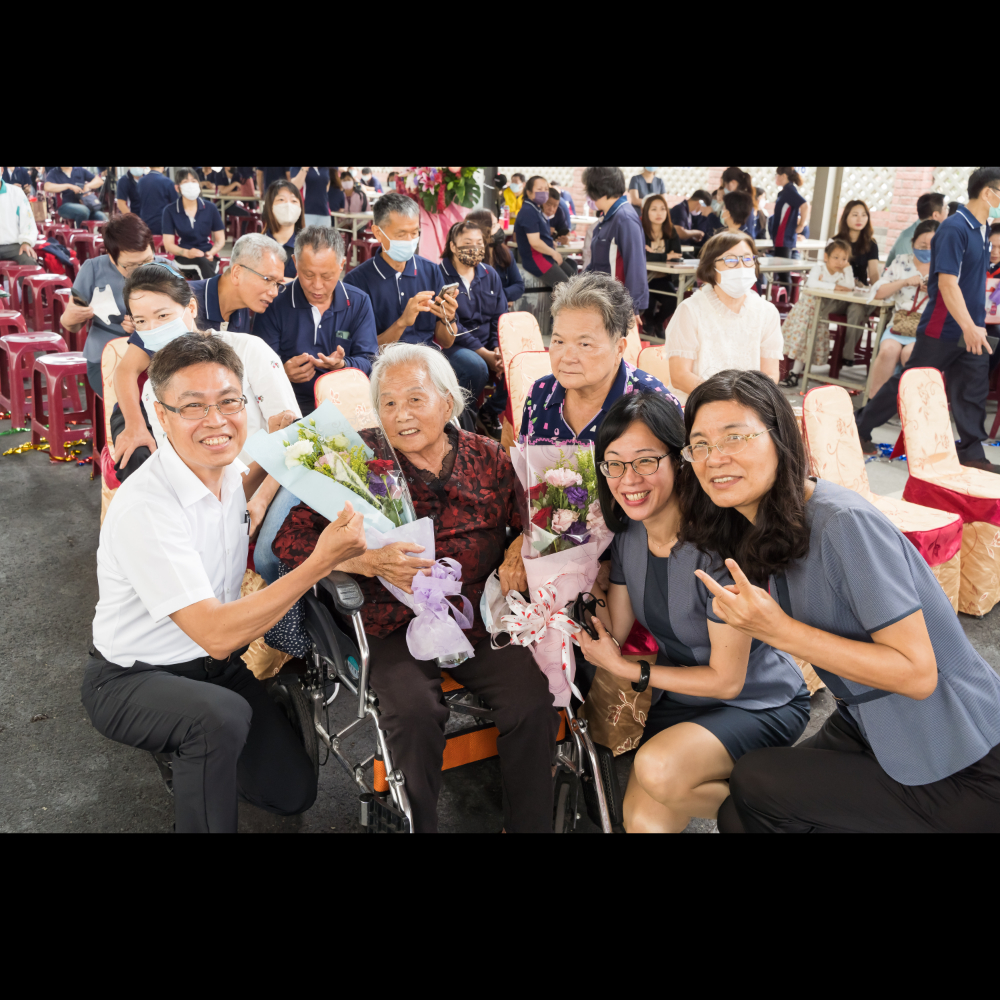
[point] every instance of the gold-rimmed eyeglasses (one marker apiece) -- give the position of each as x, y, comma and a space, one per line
731, 444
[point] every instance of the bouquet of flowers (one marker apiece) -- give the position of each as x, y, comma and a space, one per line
564, 536
437, 187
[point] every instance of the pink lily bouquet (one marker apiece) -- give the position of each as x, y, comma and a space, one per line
564, 536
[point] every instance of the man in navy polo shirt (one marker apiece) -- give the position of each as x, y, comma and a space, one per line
72, 183
127, 192
403, 288
952, 334
249, 285
534, 236
156, 191
684, 215
318, 324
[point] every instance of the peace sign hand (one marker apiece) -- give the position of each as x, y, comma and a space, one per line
744, 607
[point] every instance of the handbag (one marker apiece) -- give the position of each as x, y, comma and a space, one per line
905, 324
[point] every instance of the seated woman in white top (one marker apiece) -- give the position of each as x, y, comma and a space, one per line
724, 324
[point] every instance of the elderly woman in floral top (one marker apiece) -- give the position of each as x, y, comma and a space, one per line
465, 483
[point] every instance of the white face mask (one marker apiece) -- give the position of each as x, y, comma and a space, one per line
217, 170
737, 281
348, 185
286, 212
492, 605
190, 190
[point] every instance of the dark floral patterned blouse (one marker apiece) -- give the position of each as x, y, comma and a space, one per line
471, 509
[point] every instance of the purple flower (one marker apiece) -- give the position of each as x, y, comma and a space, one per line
577, 496
376, 485
578, 533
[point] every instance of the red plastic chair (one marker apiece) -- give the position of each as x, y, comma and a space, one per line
17, 358
94, 227
83, 244
64, 234
61, 298
11, 322
99, 246
10, 275
61, 414
37, 297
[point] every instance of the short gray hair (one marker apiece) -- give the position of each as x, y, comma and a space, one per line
250, 249
601, 293
318, 239
393, 201
436, 364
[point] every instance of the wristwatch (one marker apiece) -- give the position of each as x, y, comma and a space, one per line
643, 681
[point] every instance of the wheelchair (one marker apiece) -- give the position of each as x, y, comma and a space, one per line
338, 658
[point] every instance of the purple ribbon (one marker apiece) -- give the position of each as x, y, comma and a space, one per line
429, 593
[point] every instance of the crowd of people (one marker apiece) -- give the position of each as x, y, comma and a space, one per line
732, 558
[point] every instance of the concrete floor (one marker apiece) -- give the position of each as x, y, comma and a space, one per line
58, 775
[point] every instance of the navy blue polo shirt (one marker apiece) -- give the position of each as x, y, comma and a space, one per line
291, 326
750, 226
479, 307
559, 223
390, 290
961, 246
336, 199
290, 271
531, 220
782, 224
206, 294
316, 202
19, 176
273, 174
680, 215
191, 236
542, 419
709, 224
221, 179
156, 192
77, 175
128, 191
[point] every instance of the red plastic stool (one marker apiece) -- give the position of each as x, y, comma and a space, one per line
61, 298
93, 226
157, 244
37, 295
99, 246
223, 264
17, 358
11, 322
838, 342
83, 244
64, 234
56, 388
10, 273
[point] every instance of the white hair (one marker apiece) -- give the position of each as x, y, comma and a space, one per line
250, 248
432, 360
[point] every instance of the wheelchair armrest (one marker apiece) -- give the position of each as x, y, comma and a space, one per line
344, 589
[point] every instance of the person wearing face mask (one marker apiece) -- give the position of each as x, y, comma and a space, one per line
481, 303
355, 200
929, 206
951, 335
266, 176
617, 242
734, 179
226, 302
641, 186
534, 237
725, 324
497, 254
127, 192
513, 195
192, 228
283, 221
368, 179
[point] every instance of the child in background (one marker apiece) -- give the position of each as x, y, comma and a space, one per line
834, 273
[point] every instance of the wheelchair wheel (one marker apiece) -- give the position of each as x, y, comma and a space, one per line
287, 694
567, 800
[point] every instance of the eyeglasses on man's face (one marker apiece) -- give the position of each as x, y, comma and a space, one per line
731, 444
747, 260
268, 281
129, 268
643, 466
199, 411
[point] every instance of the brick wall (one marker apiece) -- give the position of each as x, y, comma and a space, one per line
909, 184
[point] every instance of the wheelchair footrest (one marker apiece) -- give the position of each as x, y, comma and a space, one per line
379, 815
468, 745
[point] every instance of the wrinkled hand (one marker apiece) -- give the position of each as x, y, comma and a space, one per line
604, 652
746, 608
421, 302
399, 569
129, 440
279, 421
511, 570
342, 539
330, 362
300, 368
975, 340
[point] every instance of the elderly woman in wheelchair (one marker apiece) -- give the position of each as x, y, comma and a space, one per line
465, 482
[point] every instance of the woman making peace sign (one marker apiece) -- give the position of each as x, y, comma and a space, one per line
914, 745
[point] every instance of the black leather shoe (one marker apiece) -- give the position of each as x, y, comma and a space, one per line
981, 463
490, 424
869, 448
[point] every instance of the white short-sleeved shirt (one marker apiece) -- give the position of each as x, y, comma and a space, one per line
823, 277
716, 338
265, 385
165, 544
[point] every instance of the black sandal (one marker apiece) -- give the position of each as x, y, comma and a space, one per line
791, 380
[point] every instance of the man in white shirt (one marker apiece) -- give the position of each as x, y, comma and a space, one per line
166, 674
18, 232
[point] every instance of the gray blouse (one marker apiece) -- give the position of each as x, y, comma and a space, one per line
772, 678
861, 575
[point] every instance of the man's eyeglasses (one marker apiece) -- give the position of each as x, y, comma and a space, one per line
199, 411
747, 261
643, 466
269, 282
732, 444
129, 268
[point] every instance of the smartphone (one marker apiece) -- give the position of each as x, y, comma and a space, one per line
78, 298
447, 288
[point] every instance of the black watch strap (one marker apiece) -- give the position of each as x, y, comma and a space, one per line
643, 681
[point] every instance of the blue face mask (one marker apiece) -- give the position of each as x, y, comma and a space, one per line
650, 170
136, 171
402, 250
156, 340
924, 256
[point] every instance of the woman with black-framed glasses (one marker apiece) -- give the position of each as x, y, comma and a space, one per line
716, 695
725, 324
